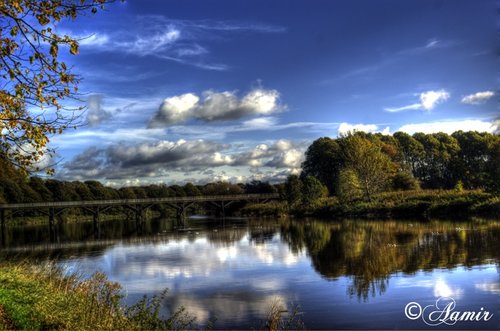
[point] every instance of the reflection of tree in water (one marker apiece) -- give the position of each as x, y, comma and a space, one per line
370, 251
226, 236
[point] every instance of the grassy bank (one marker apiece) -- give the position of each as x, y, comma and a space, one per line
41, 297
401, 204
408, 204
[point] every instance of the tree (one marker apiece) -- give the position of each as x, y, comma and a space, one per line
38, 185
293, 191
191, 190
440, 150
323, 161
348, 186
222, 188
411, 150
35, 82
312, 191
371, 166
470, 165
404, 180
257, 186
493, 167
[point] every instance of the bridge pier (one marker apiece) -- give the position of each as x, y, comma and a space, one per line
222, 205
95, 219
52, 215
96, 211
139, 214
180, 212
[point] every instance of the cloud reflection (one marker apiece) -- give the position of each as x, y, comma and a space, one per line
226, 280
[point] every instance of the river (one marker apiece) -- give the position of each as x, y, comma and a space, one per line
351, 274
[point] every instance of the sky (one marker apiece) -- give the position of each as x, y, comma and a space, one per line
199, 91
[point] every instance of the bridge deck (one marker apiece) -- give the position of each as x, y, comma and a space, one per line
94, 203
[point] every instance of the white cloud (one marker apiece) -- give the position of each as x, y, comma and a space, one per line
345, 128
477, 98
96, 113
414, 106
260, 123
153, 162
180, 41
218, 106
432, 43
96, 39
428, 100
178, 108
449, 126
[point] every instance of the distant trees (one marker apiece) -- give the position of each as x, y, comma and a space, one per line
354, 166
222, 188
362, 164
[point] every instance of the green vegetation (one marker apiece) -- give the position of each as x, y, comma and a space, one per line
377, 163
411, 204
381, 176
365, 175
41, 297
35, 297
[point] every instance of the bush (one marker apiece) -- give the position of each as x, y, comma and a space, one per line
404, 181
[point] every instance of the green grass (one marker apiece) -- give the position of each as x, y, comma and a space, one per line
40, 297
269, 209
418, 203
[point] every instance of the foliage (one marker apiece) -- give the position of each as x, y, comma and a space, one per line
405, 162
280, 318
459, 186
366, 159
348, 186
41, 297
410, 204
404, 181
35, 81
268, 209
293, 191
257, 186
222, 188
312, 191
323, 160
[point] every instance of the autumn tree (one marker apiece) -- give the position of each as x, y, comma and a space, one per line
371, 166
35, 81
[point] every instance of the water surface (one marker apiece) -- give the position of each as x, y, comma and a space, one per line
352, 274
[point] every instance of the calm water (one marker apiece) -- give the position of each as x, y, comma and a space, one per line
348, 275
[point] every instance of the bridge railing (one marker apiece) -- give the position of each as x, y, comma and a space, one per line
93, 203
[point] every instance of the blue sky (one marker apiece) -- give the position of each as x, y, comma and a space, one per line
198, 91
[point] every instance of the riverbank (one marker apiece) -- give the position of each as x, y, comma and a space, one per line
400, 204
40, 297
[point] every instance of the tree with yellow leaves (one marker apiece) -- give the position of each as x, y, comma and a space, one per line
34, 81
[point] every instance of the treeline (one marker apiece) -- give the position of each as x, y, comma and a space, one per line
16, 187
360, 165
352, 167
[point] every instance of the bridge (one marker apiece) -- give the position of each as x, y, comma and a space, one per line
138, 206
